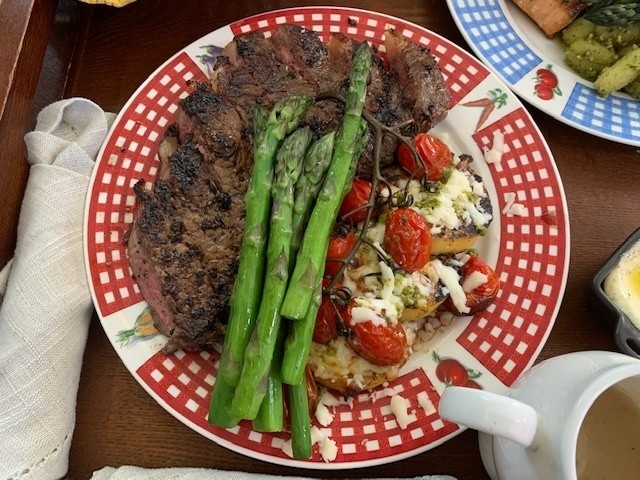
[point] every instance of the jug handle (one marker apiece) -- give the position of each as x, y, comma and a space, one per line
489, 413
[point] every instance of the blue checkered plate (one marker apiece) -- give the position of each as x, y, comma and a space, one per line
531, 64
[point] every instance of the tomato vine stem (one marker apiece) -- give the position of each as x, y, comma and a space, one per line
342, 295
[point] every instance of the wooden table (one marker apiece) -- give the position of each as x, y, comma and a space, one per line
115, 50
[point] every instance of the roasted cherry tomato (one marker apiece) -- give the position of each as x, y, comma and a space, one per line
326, 327
482, 296
339, 248
353, 208
435, 155
380, 344
407, 239
452, 372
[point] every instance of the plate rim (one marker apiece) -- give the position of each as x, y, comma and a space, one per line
289, 461
525, 95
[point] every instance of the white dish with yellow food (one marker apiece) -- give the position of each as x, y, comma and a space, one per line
617, 286
533, 66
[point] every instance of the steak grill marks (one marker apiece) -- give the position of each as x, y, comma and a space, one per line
185, 240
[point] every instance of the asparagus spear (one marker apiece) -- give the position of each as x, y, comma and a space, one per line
310, 260
612, 12
270, 416
298, 343
220, 404
300, 424
245, 299
316, 162
250, 390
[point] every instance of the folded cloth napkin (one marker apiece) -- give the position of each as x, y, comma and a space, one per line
45, 305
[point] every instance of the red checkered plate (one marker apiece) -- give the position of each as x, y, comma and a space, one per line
529, 250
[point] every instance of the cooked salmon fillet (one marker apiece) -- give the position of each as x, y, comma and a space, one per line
551, 15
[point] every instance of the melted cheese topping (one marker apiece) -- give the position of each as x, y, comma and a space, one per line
375, 310
375, 233
388, 282
474, 280
457, 202
451, 280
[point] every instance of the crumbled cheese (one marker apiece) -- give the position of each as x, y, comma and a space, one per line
509, 200
328, 449
388, 282
349, 402
511, 207
381, 393
474, 280
451, 280
479, 218
329, 400
287, 449
461, 258
399, 406
415, 189
317, 435
375, 310
456, 193
426, 404
422, 283
494, 154
323, 415
375, 233
516, 210
358, 380
366, 314
349, 283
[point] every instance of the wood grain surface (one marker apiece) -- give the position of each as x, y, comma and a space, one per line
118, 423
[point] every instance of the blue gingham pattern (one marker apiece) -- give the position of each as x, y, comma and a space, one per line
614, 116
494, 39
486, 28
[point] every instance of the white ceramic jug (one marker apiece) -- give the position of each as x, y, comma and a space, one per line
532, 432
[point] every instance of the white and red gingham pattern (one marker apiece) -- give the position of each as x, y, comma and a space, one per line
130, 154
504, 340
532, 256
366, 431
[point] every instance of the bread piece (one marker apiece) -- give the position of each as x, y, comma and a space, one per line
338, 367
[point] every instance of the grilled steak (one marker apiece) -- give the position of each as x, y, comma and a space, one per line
185, 240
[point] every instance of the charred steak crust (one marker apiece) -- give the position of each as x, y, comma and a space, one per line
185, 241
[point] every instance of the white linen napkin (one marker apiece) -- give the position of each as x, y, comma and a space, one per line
45, 305
136, 473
